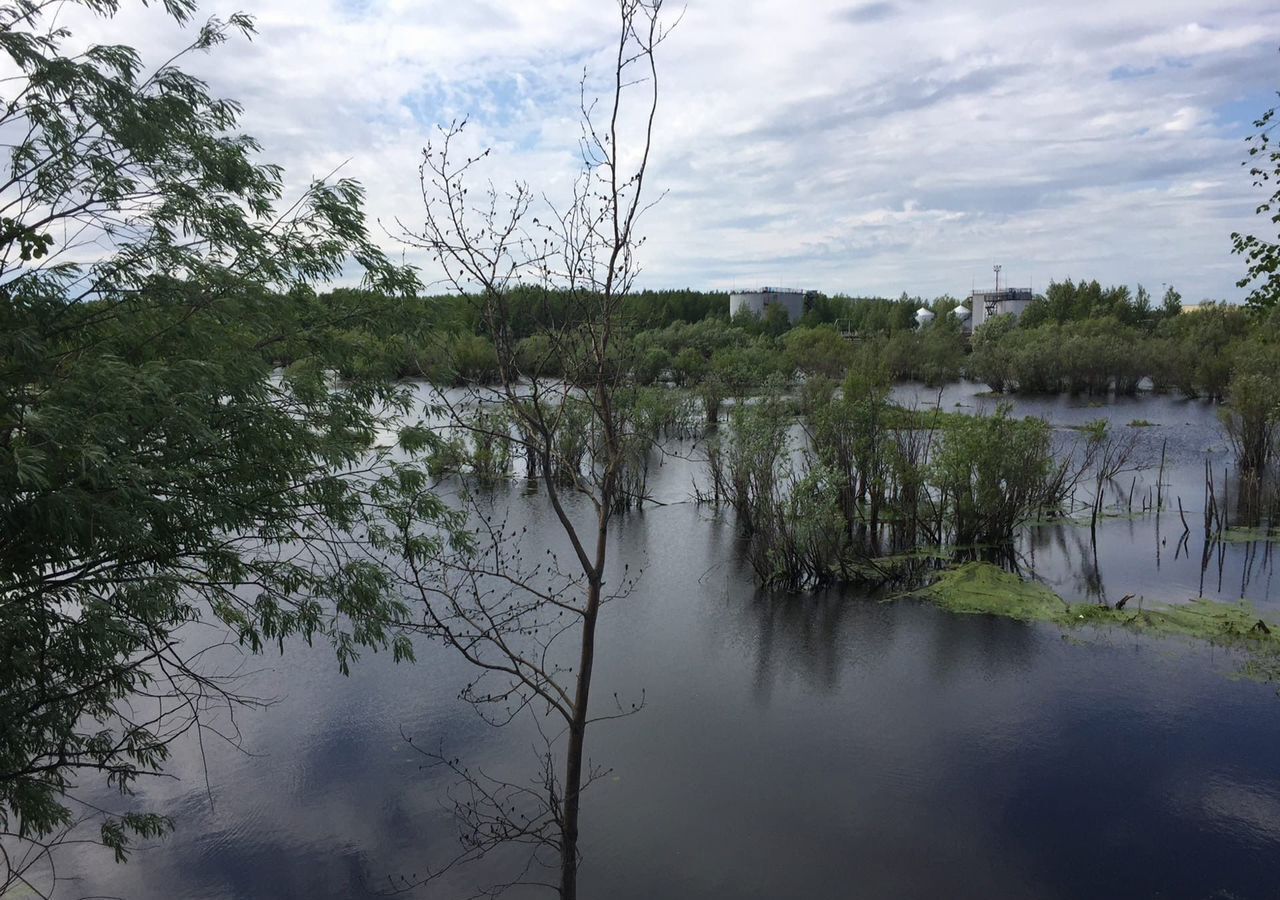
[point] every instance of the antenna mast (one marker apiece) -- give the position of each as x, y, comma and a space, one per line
993, 299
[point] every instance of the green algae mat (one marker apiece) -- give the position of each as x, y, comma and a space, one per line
984, 588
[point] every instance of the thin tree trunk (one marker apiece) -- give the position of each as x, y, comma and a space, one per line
578, 726
573, 759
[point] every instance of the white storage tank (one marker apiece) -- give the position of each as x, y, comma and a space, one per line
757, 302
924, 317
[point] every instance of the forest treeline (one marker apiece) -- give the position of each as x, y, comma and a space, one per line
685, 336
1077, 338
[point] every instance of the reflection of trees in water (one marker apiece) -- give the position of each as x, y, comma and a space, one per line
1257, 558
817, 637
1076, 553
991, 645
797, 634
1249, 504
1251, 501
790, 633
1067, 555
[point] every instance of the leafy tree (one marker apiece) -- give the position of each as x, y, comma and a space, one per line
990, 473
941, 352
1262, 254
153, 463
1142, 304
690, 366
651, 365
817, 351
990, 361
776, 320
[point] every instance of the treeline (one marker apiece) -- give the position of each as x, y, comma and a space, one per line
1082, 339
1078, 338
1067, 301
681, 335
732, 358
1192, 354
1087, 339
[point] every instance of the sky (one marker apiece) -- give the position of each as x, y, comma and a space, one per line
869, 148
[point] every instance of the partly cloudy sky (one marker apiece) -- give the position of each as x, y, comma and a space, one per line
865, 148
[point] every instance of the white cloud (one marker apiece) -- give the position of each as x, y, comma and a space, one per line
858, 147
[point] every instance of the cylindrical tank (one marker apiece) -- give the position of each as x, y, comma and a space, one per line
924, 316
757, 302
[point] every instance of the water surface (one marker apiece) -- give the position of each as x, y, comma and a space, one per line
829, 745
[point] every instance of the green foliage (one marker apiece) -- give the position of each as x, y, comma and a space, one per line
1251, 417
817, 351
1190, 353
942, 354
652, 365
690, 366
155, 470
869, 473
866, 317
743, 461
992, 359
1068, 301
536, 357
744, 370
1262, 254
471, 358
849, 437
991, 473
490, 434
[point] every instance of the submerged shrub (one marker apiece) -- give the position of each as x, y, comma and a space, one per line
850, 438
1251, 420
991, 474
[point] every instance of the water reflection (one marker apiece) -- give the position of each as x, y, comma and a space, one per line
831, 745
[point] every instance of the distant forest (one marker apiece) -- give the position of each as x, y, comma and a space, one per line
1077, 337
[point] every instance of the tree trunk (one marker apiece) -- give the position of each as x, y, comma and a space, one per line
577, 736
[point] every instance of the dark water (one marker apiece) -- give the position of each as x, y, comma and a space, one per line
818, 746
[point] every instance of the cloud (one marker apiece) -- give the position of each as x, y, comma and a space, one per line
869, 12
870, 148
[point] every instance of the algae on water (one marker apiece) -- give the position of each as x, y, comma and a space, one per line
1242, 535
982, 587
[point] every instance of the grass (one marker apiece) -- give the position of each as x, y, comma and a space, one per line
983, 588
1142, 423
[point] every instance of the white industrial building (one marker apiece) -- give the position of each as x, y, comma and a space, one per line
985, 305
757, 302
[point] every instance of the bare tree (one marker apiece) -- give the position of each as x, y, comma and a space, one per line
562, 402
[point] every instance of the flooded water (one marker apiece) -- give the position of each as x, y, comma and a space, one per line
1135, 553
828, 745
